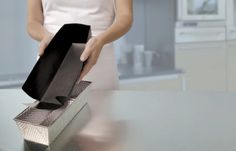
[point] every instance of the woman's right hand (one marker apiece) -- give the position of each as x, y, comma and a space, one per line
44, 42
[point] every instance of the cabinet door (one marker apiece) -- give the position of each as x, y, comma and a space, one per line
203, 9
231, 72
204, 65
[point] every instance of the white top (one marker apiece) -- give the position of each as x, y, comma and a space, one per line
99, 14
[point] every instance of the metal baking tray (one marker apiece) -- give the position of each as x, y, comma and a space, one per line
42, 126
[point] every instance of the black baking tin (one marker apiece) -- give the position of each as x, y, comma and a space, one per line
57, 70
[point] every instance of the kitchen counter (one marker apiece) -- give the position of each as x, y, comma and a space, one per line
129, 73
134, 121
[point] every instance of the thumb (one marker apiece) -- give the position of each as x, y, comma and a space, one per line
42, 47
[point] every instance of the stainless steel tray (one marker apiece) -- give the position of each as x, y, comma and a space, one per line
44, 125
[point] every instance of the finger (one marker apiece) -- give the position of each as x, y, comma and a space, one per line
42, 48
86, 53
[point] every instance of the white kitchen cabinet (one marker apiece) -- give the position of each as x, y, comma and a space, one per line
199, 34
204, 65
231, 67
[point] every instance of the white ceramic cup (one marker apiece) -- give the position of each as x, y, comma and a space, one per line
138, 59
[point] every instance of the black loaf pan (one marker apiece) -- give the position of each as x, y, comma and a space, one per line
56, 72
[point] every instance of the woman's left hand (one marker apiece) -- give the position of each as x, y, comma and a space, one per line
90, 54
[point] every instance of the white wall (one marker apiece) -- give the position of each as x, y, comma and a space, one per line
17, 51
154, 23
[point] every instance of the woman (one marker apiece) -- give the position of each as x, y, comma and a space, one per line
109, 20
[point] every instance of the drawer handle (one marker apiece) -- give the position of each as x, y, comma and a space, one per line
200, 33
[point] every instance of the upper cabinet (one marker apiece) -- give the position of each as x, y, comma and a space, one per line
231, 19
204, 16
204, 20
201, 10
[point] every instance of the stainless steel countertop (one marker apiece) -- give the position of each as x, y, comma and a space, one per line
134, 121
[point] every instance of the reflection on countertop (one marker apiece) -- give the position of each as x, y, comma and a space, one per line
86, 133
135, 121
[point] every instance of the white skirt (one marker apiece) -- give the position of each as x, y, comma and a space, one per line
104, 74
